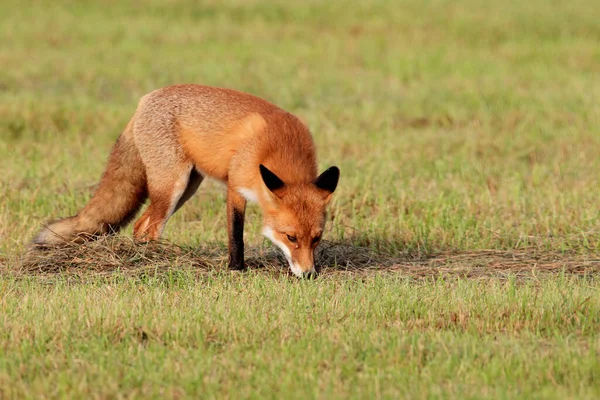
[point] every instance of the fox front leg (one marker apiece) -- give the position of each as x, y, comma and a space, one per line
236, 210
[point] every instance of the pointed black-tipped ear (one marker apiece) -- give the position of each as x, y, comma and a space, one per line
328, 180
270, 179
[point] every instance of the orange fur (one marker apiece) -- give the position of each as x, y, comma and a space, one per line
180, 134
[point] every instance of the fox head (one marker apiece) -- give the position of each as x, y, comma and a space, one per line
294, 217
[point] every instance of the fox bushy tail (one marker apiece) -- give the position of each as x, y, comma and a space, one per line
119, 196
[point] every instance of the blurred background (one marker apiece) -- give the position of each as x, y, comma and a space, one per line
456, 124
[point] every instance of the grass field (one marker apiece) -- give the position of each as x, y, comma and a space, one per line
463, 249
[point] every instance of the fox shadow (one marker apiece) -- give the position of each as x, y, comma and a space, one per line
349, 255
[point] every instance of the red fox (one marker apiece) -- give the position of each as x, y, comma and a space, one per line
180, 134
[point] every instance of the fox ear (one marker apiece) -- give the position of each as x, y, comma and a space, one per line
328, 180
270, 179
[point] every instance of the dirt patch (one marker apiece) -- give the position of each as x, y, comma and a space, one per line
119, 254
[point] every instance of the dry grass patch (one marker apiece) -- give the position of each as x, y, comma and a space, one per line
108, 255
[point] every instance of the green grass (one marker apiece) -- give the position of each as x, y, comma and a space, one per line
458, 126
382, 336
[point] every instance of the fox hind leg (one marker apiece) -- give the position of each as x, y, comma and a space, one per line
168, 191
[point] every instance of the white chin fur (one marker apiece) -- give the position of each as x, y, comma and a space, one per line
268, 233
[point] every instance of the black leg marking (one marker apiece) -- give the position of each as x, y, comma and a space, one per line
236, 241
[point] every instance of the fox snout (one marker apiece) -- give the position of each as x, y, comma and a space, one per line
302, 262
307, 271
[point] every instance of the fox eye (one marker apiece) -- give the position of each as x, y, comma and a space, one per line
316, 239
292, 238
